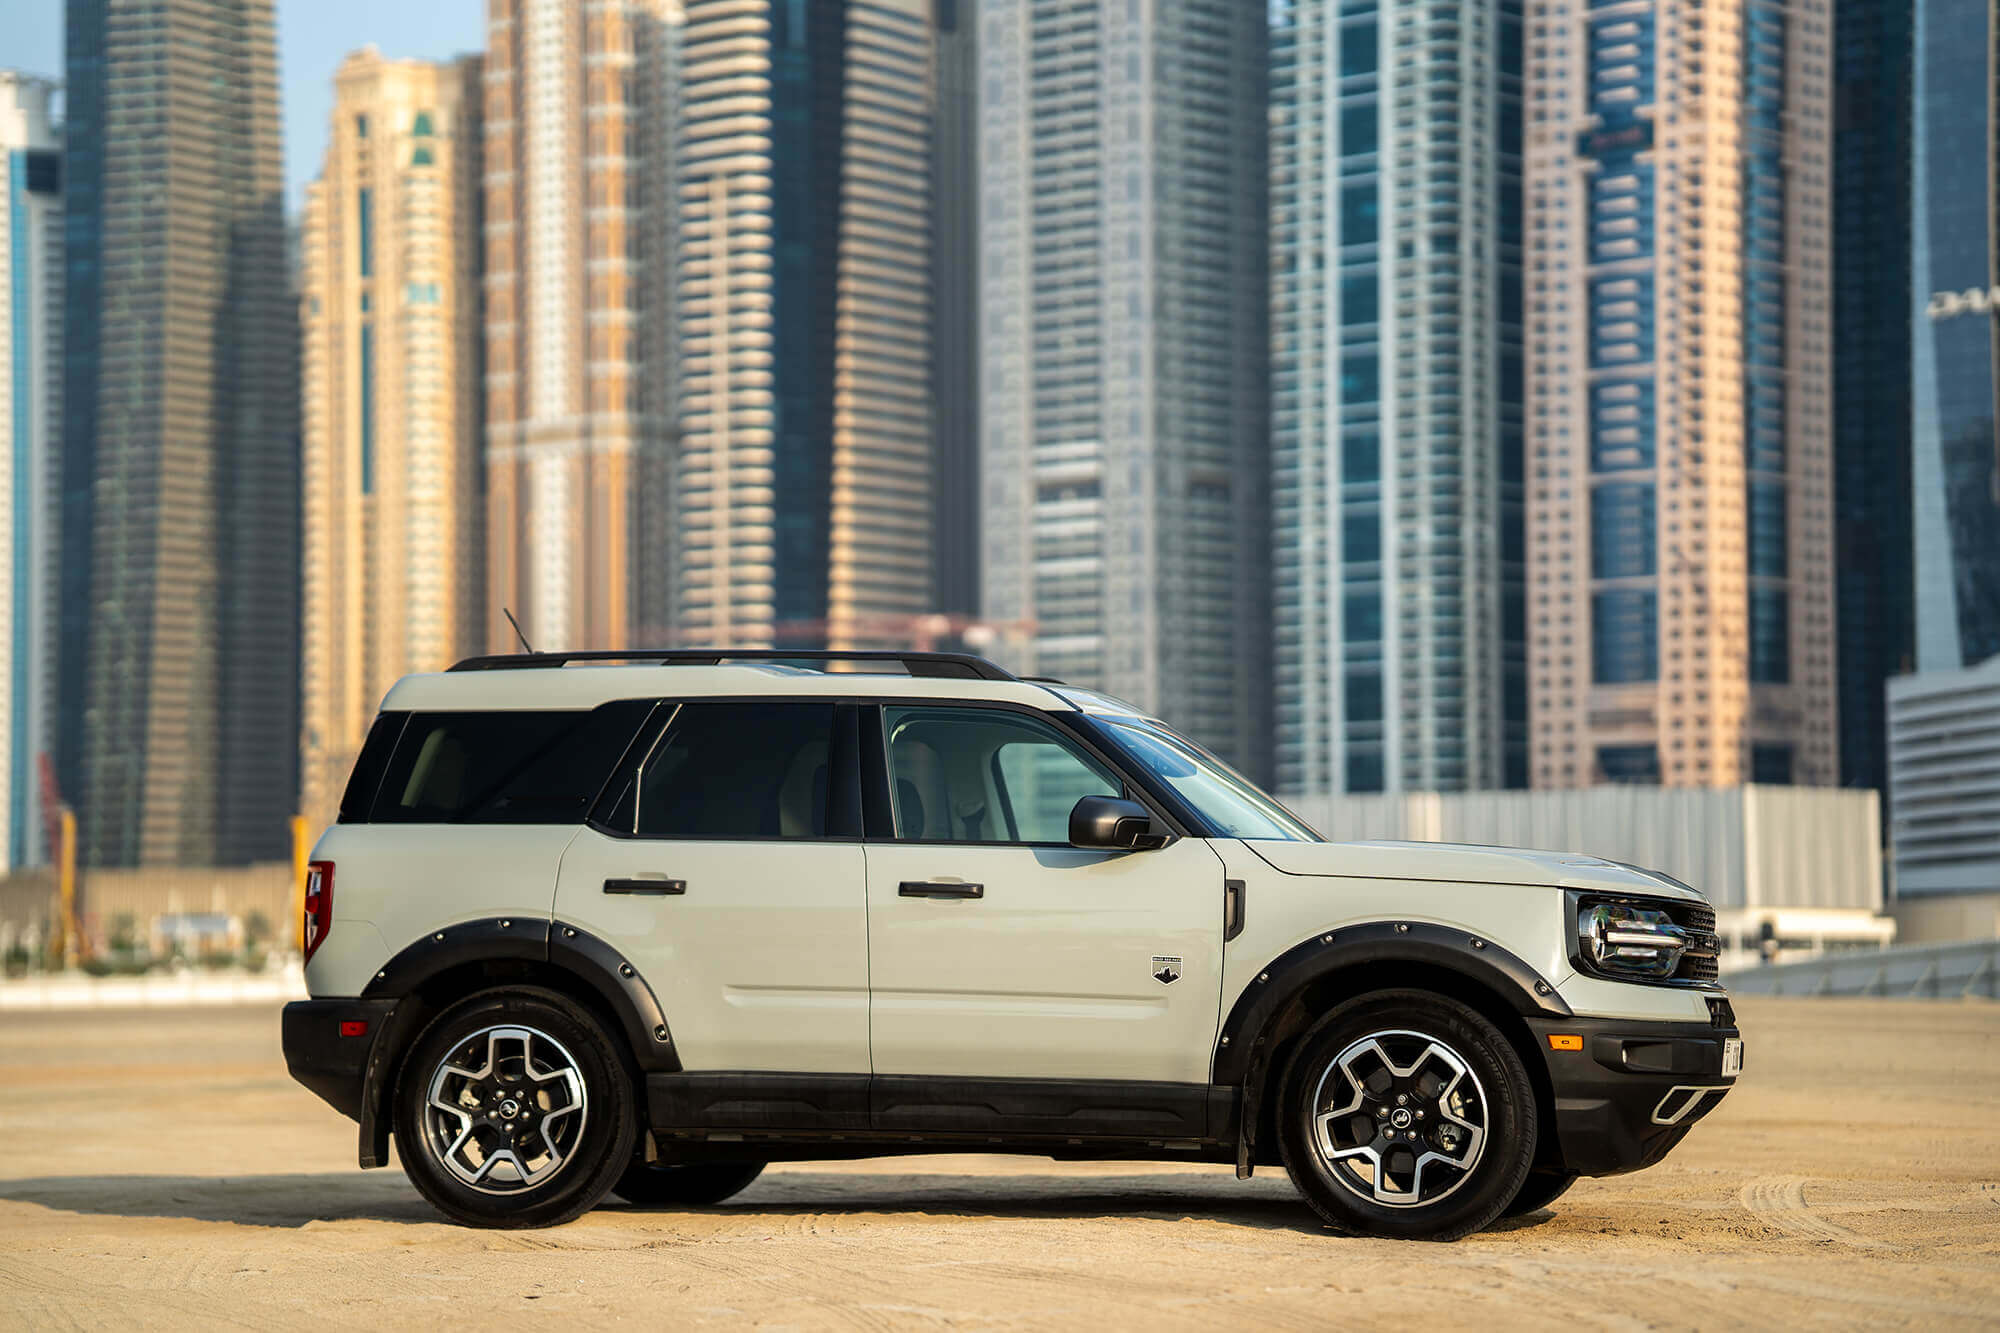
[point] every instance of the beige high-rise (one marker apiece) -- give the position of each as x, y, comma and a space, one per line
1677, 304
578, 95
393, 569
804, 321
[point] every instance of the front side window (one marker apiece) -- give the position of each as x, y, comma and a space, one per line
732, 770
986, 775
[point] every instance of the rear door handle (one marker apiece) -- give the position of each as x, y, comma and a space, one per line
924, 888
657, 887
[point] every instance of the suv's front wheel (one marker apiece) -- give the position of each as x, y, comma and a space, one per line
1407, 1114
514, 1110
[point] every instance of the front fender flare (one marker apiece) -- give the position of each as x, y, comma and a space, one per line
1419, 942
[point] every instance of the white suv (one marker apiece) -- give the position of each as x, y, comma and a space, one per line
643, 922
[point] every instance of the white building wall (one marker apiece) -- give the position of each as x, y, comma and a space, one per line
1944, 781
1750, 849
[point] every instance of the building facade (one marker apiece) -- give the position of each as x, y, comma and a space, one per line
1876, 595
1955, 284
1680, 525
1396, 402
394, 574
30, 434
955, 309
1124, 336
180, 497
804, 306
1944, 781
579, 374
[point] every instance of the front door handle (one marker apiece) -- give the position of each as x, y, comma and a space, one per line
651, 886
924, 888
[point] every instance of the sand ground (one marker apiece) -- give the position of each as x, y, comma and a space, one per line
160, 1168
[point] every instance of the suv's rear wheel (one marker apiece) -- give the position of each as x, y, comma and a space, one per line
1407, 1114
694, 1184
513, 1109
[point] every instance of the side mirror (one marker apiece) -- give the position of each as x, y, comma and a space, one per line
1109, 824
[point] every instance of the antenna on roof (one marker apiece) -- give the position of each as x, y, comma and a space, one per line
517, 629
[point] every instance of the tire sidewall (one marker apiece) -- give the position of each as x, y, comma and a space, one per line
1511, 1130
602, 1152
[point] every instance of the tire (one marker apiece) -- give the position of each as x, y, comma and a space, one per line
524, 1074
1424, 1084
1543, 1188
696, 1185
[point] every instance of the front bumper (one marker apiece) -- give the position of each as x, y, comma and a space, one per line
1633, 1090
318, 1056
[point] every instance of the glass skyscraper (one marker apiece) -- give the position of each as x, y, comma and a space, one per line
1871, 370
1123, 377
1397, 386
1955, 224
179, 598
30, 433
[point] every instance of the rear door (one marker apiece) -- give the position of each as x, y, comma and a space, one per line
726, 864
997, 949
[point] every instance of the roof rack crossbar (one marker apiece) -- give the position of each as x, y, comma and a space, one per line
957, 666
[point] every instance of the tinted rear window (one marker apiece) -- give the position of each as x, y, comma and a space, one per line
504, 767
366, 779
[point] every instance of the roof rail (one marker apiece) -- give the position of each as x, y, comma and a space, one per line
954, 666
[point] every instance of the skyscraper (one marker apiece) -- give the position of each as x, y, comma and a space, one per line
1680, 509
955, 309
1954, 224
179, 598
1396, 409
1876, 619
578, 367
804, 308
394, 575
30, 430
1124, 309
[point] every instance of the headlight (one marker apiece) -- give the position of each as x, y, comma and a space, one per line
1621, 940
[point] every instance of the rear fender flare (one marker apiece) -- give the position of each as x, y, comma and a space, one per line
570, 949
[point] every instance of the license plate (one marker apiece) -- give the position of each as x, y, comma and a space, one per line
1732, 1056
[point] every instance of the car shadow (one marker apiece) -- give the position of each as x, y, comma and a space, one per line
284, 1200
299, 1199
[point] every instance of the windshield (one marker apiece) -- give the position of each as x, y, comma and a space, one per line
1225, 798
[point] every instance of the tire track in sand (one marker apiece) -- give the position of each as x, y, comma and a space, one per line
1781, 1201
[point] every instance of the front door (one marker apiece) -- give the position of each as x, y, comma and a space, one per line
1000, 951
718, 874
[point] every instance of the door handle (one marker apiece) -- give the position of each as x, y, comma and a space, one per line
657, 887
923, 888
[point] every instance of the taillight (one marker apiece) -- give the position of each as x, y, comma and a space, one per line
319, 904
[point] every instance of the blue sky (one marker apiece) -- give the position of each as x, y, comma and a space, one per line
313, 37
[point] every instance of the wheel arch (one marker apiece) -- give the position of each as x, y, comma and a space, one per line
434, 973
1313, 977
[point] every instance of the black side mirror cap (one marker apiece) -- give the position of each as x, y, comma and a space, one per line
1111, 824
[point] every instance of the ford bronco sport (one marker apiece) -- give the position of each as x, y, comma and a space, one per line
641, 923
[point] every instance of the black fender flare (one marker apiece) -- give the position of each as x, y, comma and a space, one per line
1279, 982
583, 955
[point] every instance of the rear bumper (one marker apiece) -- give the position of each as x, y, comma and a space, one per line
318, 1056
1634, 1089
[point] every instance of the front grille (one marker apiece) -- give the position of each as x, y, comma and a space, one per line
1703, 962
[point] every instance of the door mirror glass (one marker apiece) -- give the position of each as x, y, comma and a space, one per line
1111, 824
